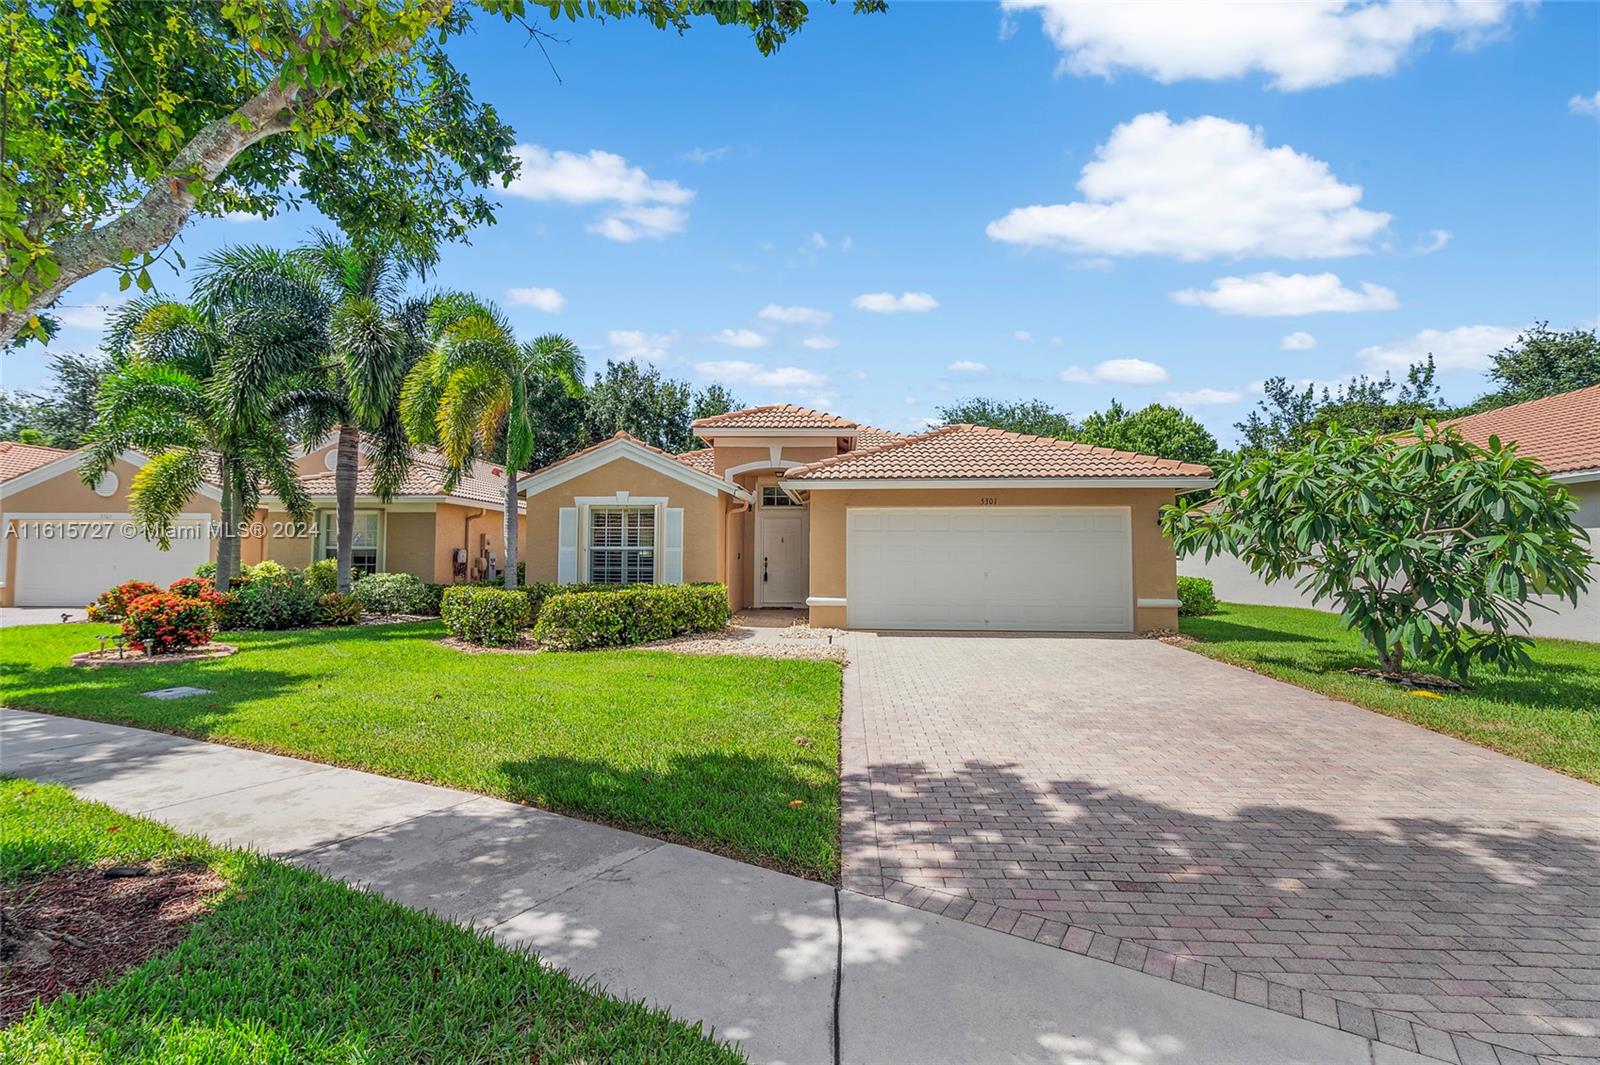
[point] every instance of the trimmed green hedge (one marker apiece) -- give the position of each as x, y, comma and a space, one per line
539, 594
395, 593
489, 617
1196, 597
636, 613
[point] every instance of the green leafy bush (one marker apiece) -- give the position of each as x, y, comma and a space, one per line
113, 603
1196, 597
489, 617
206, 569
266, 571
161, 623
336, 608
395, 593
638, 613
286, 602
323, 576
539, 594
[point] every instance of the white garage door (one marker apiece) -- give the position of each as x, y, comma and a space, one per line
1021, 568
68, 562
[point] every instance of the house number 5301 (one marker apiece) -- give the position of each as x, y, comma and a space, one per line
987, 501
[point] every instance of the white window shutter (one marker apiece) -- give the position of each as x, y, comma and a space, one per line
672, 545
567, 546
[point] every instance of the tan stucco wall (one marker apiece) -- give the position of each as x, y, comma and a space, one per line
460, 526
703, 535
726, 457
408, 543
1155, 572
66, 494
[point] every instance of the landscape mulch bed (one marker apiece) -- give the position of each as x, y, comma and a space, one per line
1425, 681
79, 927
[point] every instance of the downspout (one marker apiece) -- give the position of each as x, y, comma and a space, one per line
466, 541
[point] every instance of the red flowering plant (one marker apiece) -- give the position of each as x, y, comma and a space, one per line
161, 623
204, 589
114, 602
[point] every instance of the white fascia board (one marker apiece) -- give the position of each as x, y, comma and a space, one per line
269, 500
1576, 476
613, 450
1185, 483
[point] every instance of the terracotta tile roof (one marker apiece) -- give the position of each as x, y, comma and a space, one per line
977, 452
701, 459
17, 459
1561, 433
868, 436
483, 485
621, 434
776, 416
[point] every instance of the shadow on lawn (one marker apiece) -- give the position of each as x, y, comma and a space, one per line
1326, 897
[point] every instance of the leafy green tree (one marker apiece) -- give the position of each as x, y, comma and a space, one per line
1031, 417
1165, 432
713, 400
1431, 546
120, 120
1288, 414
61, 414
1542, 362
163, 400
470, 393
636, 399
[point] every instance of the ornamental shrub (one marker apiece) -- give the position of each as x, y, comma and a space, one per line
206, 569
638, 613
538, 594
285, 602
395, 593
336, 608
266, 571
204, 589
323, 576
1195, 597
112, 605
489, 617
161, 623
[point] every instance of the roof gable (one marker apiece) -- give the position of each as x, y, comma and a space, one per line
620, 446
1561, 433
773, 416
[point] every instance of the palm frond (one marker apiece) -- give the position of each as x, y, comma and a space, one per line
162, 488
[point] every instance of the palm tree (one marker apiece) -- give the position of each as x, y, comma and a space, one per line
351, 385
473, 392
162, 399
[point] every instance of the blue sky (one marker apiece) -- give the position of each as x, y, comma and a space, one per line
906, 196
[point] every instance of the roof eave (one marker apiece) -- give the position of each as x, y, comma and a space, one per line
1186, 482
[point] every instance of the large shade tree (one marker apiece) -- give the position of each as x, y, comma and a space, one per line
163, 401
119, 121
472, 395
1432, 547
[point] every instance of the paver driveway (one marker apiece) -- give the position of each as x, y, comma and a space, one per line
1136, 802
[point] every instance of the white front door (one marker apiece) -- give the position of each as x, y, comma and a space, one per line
1022, 568
783, 556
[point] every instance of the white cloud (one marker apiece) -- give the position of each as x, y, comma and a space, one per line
638, 346
1436, 240
645, 207
818, 241
1299, 340
1466, 347
1297, 45
741, 338
821, 343
1056, 342
1196, 190
1116, 372
545, 299
967, 366
1204, 397
772, 312
735, 371
702, 156
1267, 295
889, 303
1585, 105
93, 315
1023, 335
637, 223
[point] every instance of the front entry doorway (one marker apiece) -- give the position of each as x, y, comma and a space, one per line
783, 550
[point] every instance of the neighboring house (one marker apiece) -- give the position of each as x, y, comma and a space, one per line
65, 543
1561, 433
961, 527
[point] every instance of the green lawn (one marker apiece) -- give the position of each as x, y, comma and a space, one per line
701, 750
1548, 714
289, 967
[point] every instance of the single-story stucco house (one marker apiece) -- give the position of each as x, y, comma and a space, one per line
1561, 433
961, 527
65, 543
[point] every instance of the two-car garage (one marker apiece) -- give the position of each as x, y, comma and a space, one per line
1066, 568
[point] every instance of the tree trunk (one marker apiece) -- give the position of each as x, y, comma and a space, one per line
225, 540
510, 532
1393, 660
344, 488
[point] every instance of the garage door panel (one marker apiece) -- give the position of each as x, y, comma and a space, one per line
69, 570
1023, 568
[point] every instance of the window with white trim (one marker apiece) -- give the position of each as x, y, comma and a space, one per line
622, 545
773, 496
364, 542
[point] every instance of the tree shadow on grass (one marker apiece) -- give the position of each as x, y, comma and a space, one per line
1215, 630
1423, 916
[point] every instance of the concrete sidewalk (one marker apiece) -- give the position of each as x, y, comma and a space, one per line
758, 955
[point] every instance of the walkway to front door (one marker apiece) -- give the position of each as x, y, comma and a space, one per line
1132, 801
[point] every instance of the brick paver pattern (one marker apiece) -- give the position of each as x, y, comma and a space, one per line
1139, 803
